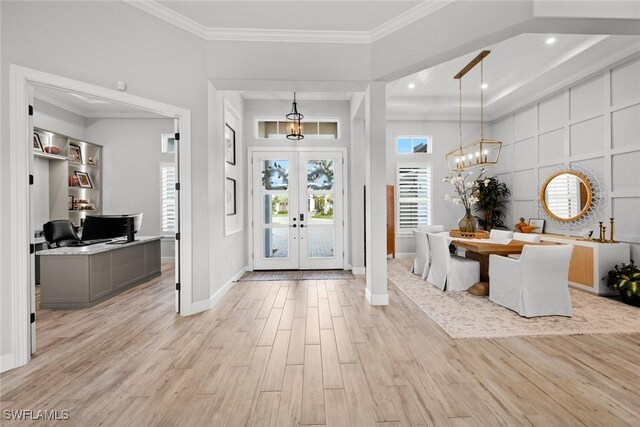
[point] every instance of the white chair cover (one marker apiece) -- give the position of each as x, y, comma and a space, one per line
527, 237
447, 272
535, 285
501, 236
421, 261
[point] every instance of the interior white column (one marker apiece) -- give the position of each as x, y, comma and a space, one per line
375, 180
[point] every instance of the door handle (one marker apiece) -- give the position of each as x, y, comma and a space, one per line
294, 226
301, 225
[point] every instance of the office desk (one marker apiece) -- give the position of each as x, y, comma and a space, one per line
78, 277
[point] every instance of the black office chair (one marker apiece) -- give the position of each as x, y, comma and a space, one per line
60, 233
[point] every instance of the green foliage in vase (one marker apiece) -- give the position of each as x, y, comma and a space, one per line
493, 198
625, 279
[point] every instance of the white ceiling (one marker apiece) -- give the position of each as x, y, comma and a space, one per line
89, 107
291, 15
517, 71
302, 96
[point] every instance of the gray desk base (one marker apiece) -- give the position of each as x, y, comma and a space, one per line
80, 281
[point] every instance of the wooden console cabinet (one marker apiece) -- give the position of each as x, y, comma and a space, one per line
590, 261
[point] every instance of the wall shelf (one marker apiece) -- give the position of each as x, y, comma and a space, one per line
49, 156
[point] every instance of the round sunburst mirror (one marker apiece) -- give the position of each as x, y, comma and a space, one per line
566, 196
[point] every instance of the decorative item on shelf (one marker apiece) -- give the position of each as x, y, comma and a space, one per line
626, 280
601, 238
537, 225
294, 125
523, 226
83, 205
493, 198
611, 231
74, 181
52, 149
91, 162
478, 234
71, 203
84, 180
75, 153
467, 195
484, 151
37, 143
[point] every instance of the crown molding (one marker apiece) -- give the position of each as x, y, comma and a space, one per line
406, 18
299, 36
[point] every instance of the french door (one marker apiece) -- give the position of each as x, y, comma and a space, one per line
297, 210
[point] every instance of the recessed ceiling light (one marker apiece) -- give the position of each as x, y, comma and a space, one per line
550, 40
412, 85
484, 86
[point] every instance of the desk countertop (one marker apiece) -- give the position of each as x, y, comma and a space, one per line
95, 249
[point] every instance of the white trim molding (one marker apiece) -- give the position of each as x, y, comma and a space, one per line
299, 36
376, 299
19, 275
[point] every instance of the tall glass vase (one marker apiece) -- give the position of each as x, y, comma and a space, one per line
467, 223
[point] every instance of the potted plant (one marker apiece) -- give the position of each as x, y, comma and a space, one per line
626, 280
467, 192
493, 197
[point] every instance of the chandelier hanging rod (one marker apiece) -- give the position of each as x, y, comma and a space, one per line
475, 61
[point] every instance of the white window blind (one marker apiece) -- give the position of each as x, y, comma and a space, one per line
563, 196
414, 196
168, 196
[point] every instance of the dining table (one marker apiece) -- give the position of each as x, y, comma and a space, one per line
480, 250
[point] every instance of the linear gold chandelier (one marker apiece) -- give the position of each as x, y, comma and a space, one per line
484, 151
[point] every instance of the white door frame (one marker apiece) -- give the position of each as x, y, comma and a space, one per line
345, 200
21, 79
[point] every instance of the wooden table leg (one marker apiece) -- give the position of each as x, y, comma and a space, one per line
480, 289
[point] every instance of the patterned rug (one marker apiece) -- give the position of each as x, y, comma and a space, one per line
256, 276
462, 315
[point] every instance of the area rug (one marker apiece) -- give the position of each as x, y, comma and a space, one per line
254, 276
462, 315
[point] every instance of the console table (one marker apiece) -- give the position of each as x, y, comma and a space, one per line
78, 277
590, 261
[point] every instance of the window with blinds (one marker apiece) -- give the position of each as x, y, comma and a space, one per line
414, 196
168, 198
563, 196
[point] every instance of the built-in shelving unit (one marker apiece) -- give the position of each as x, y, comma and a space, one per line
72, 159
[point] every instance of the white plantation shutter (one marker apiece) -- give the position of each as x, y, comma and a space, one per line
414, 196
563, 196
168, 198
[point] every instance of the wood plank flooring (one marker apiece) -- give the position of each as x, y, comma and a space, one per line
312, 353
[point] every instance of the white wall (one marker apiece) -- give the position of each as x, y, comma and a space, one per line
101, 43
131, 158
228, 252
445, 138
594, 123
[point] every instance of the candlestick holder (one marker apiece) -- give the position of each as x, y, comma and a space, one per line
601, 235
611, 231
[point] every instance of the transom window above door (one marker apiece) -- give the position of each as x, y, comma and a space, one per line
413, 144
275, 128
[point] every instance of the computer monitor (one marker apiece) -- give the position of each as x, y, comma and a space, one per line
111, 226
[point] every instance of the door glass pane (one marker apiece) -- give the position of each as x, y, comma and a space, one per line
276, 242
320, 174
276, 208
320, 208
275, 174
321, 242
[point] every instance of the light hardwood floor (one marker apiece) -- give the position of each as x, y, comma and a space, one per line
312, 353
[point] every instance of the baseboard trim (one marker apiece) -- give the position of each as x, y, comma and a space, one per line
376, 299
6, 362
215, 298
168, 260
405, 254
359, 270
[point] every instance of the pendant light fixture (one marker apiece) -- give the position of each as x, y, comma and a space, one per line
482, 152
294, 125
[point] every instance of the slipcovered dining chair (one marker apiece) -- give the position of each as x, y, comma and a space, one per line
525, 237
537, 284
501, 236
423, 256
450, 272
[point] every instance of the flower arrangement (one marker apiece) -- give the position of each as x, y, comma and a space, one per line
468, 194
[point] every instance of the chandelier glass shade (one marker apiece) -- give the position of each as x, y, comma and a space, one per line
480, 153
294, 122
